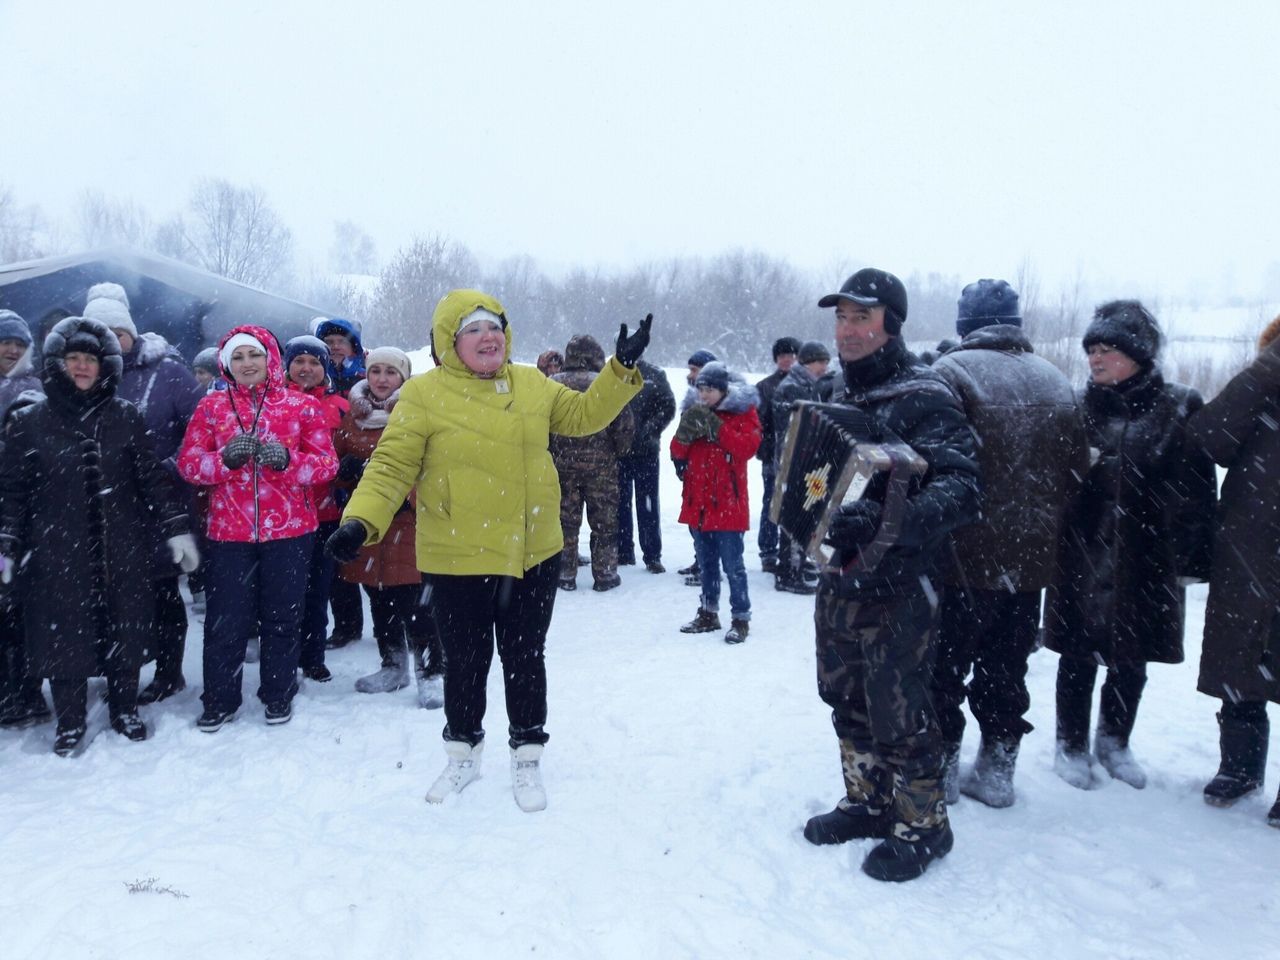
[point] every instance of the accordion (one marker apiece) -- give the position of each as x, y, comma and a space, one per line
830, 453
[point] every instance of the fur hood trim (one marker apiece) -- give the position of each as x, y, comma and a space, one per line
1269, 334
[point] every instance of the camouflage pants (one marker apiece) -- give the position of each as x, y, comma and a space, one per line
597, 488
875, 660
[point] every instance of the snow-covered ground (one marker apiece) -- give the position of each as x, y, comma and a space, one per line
680, 771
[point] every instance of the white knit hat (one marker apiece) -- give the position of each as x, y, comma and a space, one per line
111, 312
239, 340
392, 357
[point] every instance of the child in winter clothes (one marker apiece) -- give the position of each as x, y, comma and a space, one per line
261, 449
84, 503
306, 365
715, 440
388, 571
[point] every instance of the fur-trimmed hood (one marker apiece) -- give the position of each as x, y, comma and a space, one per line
740, 397
149, 350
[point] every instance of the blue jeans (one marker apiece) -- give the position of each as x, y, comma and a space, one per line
767, 538
642, 473
252, 586
714, 548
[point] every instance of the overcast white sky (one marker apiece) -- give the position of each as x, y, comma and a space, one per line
1136, 142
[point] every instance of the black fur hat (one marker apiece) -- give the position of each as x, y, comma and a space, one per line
83, 335
1129, 327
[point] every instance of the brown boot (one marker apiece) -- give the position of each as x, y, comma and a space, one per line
707, 621
737, 631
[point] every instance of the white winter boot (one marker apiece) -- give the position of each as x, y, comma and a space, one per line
430, 690
1077, 767
394, 675
464, 766
526, 778
1118, 760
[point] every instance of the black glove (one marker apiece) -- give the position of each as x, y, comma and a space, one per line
239, 450
853, 525
351, 468
681, 466
345, 542
273, 455
629, 349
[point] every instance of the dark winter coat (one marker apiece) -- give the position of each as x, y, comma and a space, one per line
159, 384
799, 384
84, 503
1240, 428
768, 444
715, 478
583, 361
1032, 453
908, 401
1140, 522
652, 410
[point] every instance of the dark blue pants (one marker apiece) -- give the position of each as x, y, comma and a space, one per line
767, 538
252, 585
315, 612
641, 473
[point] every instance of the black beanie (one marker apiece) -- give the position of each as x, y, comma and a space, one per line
784, 345
1129, 327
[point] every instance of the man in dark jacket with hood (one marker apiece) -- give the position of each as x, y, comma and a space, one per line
1033, 453
651, 410
784, 357
875, 628
588, 468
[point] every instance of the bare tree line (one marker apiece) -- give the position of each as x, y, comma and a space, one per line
734, 304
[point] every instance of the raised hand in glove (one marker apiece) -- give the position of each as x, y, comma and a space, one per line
345, 543
273, 455
629, 349
698, 421
853, 525
239, 450
351, 468
184, 551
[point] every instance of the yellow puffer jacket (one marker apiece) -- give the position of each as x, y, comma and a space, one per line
488, 493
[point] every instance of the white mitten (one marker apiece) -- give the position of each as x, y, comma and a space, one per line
184, 551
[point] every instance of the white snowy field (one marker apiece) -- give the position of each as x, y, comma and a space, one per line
680, 771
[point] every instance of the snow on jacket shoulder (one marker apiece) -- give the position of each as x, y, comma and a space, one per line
488, 492
715, 482
159, 383
254, 503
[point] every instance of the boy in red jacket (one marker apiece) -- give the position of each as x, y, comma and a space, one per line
715, 440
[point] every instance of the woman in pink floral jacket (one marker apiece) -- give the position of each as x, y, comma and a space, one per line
260, 448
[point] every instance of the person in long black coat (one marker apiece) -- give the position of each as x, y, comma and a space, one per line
83, 504
1137, 532
1240, 659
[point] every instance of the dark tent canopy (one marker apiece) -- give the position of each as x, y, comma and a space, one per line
189, 307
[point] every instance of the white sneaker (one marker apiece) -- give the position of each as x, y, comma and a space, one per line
464, 766
430, 692
526, 778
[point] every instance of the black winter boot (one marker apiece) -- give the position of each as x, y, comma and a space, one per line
990, 781
790, 581
896, 859
738, 631
1243, 745
1273, 816
707, 621
848, 821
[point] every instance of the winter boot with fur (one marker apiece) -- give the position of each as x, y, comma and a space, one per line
990, 779
738, 631
1117, 759
1243, 744
707, 621
463, 767
394, 675
526, 777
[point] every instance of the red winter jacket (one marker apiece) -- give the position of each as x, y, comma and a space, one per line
254, 503
335, 408
715, 481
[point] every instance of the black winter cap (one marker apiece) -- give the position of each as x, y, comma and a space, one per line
874, 288
813, 350
785, 345
1129, 327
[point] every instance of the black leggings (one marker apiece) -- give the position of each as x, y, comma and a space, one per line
470, 612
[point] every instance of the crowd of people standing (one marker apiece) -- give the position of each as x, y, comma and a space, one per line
285, 478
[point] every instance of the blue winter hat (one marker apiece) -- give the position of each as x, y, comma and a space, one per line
714, 374
312, 346
987, 302
701, 358
13, 327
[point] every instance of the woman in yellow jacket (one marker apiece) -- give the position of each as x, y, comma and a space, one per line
472, 435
